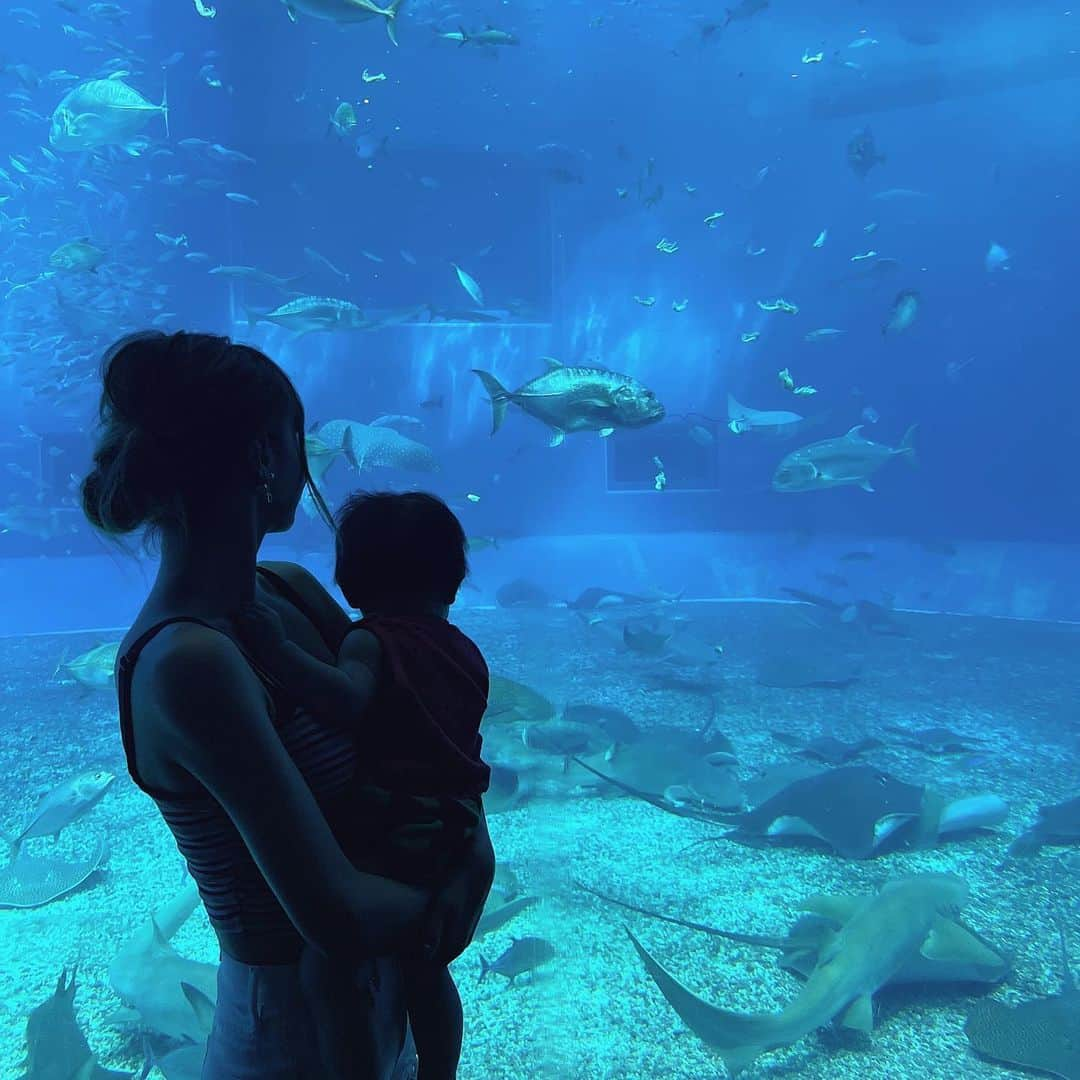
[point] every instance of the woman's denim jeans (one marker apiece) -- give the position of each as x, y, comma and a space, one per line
264, 1030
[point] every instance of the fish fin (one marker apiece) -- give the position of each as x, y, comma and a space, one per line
867, 486
348, 446
854, 432
499, 395
606, 431
291, 12
551, 363
464, 36
907, 445
390, 15
860, 1014
837, 909
200, 1004
557, 437
739, 1039
164, 106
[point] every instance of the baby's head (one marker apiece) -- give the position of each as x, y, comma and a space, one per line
399, 553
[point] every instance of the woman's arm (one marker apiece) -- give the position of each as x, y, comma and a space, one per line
217, 728
336, 694
319, 606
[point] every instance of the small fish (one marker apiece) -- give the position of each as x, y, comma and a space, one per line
469, 284
714, 219
524, 955
997, 258
205, 10
804, 391
755, 251
750, 337
372, 256
823, 334
786, 381
239, 197
679, 305
408, 256
172, 241
779, 304
812, 58
905, 311
343, 118
865, 255
321, 260
368, 77
645, 301
821, 237
667, 247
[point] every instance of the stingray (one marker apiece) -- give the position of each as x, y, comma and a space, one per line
613, 722
56, 1048
852, 810
30, 881
597, 597
1043, 1034
807, 665
826, 748
934, 741
963, 956
1059, 824
856, 809
686, 774
148, 975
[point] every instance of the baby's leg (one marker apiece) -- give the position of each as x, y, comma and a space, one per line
436, 1019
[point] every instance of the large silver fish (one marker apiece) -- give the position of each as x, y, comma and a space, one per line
576, 399
310, 314
66, 803
347, 11
850, 459
102, 112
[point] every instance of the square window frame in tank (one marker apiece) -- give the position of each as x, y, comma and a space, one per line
622, 441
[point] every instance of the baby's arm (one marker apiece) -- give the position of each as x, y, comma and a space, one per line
335, 694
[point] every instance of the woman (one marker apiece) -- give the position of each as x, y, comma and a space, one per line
202, 442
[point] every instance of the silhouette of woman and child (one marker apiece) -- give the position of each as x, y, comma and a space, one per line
322, 777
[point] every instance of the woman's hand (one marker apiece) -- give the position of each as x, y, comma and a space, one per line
459, 903
261, 629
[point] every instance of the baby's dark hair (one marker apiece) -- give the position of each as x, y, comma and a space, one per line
398, 549
178, 415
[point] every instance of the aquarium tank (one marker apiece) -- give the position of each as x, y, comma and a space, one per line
741, 339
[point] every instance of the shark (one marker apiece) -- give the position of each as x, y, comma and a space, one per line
876, 938
149, 975
55, 1044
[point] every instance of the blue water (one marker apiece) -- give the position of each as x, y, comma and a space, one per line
549, 170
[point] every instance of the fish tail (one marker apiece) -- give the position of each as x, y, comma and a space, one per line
391, 14
739, 1039
165, 99
500, 397
907, 445
14, 843
485, 967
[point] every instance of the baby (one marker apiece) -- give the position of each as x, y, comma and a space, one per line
413, 688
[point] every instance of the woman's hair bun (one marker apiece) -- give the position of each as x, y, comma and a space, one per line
174, 407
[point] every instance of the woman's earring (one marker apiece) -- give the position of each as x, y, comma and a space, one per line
267, 477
